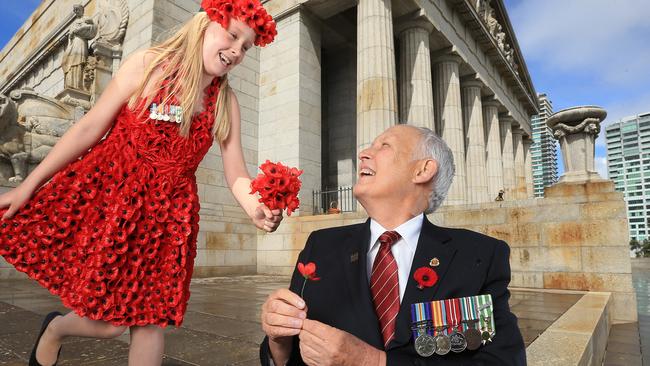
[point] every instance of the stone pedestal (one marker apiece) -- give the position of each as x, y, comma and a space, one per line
493, 162
415, 86
449, 121
477, 189
376, 84
577, 128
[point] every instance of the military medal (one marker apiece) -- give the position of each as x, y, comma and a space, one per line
172, 114
443, 346
424, 343
484, 306
153, 110
167, 113
456, 339
470, 318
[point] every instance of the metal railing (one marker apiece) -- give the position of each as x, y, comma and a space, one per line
334, 201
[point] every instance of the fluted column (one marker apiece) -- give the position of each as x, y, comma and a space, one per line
528, 165
493, 163
507, 157
477, 189
415, 87
449, 121
520, 170
376, 85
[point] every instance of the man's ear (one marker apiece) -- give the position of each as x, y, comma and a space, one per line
426, 169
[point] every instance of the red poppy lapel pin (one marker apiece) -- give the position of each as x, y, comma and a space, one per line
425, 277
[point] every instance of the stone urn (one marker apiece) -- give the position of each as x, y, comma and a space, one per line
577, 128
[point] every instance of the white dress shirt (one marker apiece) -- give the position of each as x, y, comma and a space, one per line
403, 250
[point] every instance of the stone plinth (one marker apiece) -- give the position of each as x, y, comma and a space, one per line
577, 128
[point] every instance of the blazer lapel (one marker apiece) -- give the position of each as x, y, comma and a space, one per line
356, 272
433, 243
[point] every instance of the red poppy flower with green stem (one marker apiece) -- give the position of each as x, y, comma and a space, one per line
308, 271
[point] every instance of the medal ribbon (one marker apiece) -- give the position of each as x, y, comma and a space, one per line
484, 304
453, 316
439, 319
468, 311
420, 317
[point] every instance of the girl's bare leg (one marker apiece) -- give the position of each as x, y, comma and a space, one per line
69, 325
147, 345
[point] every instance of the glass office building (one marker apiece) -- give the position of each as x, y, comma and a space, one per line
544, 148
628, 165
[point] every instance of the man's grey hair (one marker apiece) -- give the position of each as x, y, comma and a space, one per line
433, 147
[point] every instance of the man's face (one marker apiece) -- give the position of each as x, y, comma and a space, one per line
386, 168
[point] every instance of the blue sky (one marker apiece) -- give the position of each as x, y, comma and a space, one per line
15, 14
578, 52
587, 52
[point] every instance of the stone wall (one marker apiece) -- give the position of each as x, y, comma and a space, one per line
575, 239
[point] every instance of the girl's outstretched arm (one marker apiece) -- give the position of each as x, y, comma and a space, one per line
237, 176
82, 135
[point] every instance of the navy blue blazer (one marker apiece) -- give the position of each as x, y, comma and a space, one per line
470, 264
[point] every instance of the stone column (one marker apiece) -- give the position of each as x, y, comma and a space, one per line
290, 101
528, 166
520, 170
493, 162
477, 188
449, 120
376, 84
507, 157
415, 87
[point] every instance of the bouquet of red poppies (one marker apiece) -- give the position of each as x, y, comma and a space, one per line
278, 186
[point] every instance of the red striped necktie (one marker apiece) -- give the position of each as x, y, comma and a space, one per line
384, 285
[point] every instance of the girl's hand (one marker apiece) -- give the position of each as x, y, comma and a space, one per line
15, 199
267, 219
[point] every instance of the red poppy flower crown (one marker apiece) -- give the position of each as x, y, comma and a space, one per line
250, 12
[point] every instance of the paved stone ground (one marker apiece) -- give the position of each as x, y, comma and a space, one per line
221, 325
629, 344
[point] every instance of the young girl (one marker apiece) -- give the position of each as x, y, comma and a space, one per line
113, 234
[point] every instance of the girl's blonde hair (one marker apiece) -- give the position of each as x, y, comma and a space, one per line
182, 57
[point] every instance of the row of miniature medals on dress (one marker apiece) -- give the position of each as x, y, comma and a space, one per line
452, 325
165, 112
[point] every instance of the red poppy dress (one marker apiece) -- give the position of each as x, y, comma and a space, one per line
114, 233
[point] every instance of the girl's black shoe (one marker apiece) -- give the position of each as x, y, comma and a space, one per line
48, 318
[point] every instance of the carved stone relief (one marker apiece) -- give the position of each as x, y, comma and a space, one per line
487, 15
31, 124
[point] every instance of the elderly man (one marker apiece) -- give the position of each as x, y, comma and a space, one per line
360, 310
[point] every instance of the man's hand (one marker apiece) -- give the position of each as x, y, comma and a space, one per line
321, 344
283, 314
